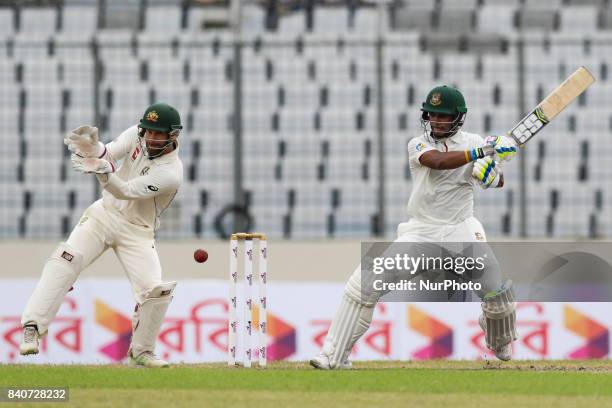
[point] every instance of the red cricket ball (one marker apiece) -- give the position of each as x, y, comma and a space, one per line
200, 255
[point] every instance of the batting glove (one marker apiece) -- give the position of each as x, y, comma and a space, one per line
487, 172
505, 147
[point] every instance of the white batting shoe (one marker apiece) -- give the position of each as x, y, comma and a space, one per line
30, 340
147, 360
321, 362
503, 353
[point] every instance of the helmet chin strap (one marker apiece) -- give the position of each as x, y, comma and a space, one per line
143, 143
426, 125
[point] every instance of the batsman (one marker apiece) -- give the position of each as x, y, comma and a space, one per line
135, 194
446, 164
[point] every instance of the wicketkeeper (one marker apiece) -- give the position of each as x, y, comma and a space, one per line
446, 163
125, 219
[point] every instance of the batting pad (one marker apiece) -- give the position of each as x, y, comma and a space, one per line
149, 316
59, 273
500, 314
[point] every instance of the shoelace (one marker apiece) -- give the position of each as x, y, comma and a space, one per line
149, 355
29, 335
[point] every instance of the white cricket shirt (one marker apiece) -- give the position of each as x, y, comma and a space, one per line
141, 188
442, 196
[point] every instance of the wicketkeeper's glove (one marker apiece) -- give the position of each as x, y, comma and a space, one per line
83, 141
92, 165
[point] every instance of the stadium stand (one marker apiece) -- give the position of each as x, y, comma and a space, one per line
309, 104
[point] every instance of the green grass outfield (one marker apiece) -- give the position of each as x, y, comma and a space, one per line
374, 384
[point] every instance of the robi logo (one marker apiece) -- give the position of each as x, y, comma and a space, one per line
596, 335
441, 335
282, 337
118, 324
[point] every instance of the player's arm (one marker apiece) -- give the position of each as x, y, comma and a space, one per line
438, 160
83, 141
158, 181
122, 145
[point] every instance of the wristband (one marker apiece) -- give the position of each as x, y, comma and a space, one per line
474, 154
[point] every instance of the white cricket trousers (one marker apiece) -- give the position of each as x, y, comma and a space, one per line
469, 230
98, 230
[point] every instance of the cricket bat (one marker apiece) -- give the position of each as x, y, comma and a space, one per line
552, 105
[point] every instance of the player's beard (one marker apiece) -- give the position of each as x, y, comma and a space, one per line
155, 151
441, 135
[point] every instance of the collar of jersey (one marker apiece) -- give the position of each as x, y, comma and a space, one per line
452, 139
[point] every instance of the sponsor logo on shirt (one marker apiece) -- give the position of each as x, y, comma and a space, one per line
420, 147
145, 171
135, 153
152, 188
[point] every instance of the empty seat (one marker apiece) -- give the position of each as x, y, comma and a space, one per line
513, 3
38, 19
579, 19
253, 17
50, 196
406, 19
420, 4
330, 19
69, 47
166, 18
79, 20
538, 19
122, 120
40, 71
496, 18
10, 221
32, 45
74, 118
166, 72
308, 223
6, 22
9, 167
461, 4
118, 72
548, 4
45, 223
460, 21
116, 45
177, 95
366, 20
77, 73
41, 97
294, 23
42, 169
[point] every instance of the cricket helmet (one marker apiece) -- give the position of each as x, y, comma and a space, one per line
446, 100
161, 117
